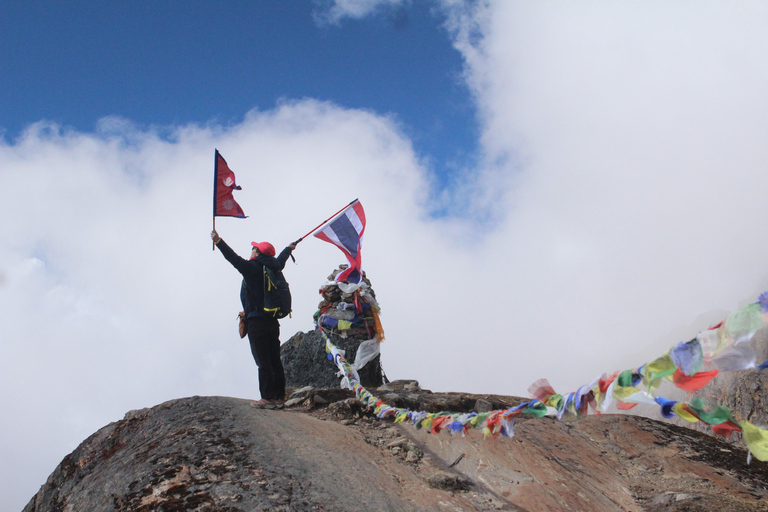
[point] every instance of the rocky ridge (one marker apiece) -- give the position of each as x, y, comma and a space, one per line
325, 452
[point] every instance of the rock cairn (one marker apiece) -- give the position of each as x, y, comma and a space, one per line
347, 313
346, 309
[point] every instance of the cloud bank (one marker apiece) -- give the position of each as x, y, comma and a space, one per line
618, 211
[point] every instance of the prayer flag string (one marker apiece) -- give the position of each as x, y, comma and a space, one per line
691, 365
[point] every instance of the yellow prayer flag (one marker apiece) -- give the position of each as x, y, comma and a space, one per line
657, 369
682, 413
756, 440
622, 392
377, 325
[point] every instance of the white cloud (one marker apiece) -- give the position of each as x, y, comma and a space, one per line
629, 135
625, 164
333, 11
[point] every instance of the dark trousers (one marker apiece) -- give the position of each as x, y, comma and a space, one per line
264, 335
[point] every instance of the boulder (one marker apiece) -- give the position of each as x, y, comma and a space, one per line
306, 361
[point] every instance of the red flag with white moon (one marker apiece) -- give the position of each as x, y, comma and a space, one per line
224, 204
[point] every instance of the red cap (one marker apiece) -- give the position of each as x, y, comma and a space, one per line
264, 248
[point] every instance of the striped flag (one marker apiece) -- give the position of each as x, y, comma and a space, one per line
346, 233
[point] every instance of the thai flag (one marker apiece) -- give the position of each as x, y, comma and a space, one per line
346, 233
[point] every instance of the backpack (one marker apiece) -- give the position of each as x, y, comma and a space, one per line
277, 294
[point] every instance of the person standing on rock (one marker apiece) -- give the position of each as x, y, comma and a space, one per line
263, 329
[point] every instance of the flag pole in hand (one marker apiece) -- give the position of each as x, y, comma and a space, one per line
325, 221
215, 181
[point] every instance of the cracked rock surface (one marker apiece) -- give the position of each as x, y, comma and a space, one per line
221, 454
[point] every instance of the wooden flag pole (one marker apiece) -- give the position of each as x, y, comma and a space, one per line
215, 181
325, 221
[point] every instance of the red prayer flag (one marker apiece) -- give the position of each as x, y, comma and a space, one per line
692, 382
726, 429
541, 390
224, 204
439, 423
605, 382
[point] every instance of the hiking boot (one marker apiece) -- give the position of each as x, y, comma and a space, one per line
275, 404
261, 404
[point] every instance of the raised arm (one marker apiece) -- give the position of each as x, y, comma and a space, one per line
231, 256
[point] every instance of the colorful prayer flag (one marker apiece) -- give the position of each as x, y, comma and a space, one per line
692, 382
346, 233
541, 390
224, 204
756, 440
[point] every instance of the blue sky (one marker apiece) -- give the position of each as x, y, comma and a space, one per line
172, 63
618, 147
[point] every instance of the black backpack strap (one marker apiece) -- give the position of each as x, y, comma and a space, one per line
269, 285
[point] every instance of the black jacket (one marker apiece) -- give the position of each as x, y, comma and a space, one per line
252, 289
